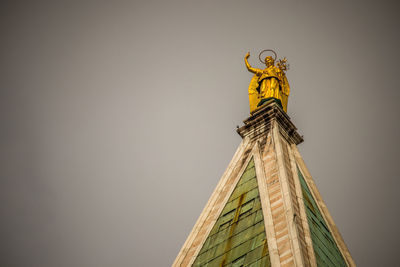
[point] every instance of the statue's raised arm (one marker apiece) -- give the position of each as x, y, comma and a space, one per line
250, 68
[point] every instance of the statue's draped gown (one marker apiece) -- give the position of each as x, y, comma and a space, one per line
267, 83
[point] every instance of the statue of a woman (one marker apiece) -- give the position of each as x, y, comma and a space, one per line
269, 83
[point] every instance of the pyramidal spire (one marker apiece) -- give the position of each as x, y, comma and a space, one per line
266, 209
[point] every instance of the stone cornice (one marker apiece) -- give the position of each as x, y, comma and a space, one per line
259, 123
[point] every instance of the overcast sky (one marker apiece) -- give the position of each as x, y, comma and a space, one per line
118, 119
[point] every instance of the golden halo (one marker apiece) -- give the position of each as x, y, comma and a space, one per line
270, 50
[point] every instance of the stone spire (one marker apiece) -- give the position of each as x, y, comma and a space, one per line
266, 209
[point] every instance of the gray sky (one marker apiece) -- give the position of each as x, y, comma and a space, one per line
118, 119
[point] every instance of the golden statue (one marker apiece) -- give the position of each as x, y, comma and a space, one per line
269, 83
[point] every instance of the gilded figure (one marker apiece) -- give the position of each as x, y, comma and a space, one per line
268, 83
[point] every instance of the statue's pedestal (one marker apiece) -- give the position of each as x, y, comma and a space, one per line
259, 124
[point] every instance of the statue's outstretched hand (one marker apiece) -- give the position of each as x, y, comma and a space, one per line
247, 55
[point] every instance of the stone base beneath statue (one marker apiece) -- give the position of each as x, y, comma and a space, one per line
259, 123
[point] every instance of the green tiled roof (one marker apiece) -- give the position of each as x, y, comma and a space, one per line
326, 251
238, 237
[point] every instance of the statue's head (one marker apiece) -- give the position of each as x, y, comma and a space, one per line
269, 61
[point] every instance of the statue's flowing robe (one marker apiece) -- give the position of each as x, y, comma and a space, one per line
267, 83
254, 95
